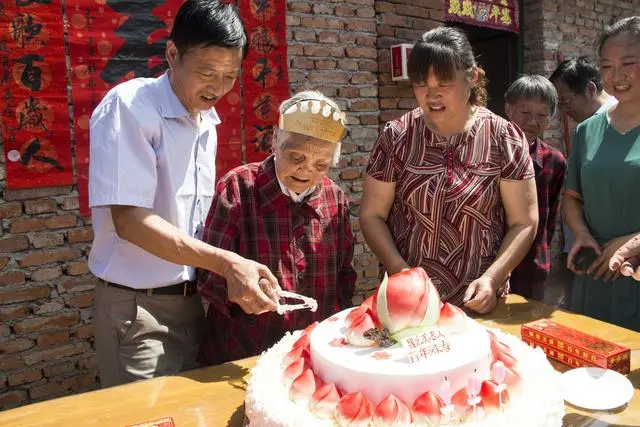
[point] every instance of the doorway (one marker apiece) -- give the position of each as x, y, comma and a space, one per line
497, 52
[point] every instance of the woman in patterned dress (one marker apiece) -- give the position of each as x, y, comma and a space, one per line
603, 180
450, 186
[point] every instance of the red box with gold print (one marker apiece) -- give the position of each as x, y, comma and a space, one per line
575, 348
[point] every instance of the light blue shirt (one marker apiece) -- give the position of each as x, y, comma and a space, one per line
147, 151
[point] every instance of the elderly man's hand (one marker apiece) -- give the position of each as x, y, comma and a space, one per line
626, 259
251, 285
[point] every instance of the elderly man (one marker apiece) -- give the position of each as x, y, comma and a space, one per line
529, 102
153, 143
287, 214
580, 89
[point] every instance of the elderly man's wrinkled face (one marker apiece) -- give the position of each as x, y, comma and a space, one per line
302, 161
532, 115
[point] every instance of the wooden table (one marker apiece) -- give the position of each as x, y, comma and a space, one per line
214, 396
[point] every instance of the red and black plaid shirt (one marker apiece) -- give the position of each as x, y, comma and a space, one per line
529, 277
308, 246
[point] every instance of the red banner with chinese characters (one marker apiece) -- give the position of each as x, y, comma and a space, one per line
34, 103
111, 41
265, 75
498, 14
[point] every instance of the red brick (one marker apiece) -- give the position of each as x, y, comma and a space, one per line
314, 22
63, 320
304, 36
26, 225
80, 382
8, 296
47, 307
366, 12
326, 64
328, 37
71, 203
369, 119
361, 52
8, 210
35, 193
323, 50
84, 234
303, 63
40, 206
12, 278
362, 132
329, 77
78, 284
77, 268
298, 6
322, 8
407, 10
24, 377
397, 20
368, 92
384, 7
46, 240
366, 40
14, 244
364, 105
55, 353
12, 399
60, 369
83, 332
350, 173
11, 362
49, 256
48, 390
52, 339
4, 261
79, 300
47, 273
386, 31
348, 38
13, 312
348, 64
15, 345
364, 26
62, 221
363, 78
345, 11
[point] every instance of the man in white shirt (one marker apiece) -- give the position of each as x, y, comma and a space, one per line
151, 183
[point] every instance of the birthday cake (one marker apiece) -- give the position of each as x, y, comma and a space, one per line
403, 358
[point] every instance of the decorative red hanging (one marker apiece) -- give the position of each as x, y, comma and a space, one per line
498, 14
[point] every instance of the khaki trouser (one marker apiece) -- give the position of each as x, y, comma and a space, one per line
140, 336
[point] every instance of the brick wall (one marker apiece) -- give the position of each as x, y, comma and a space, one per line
46, 345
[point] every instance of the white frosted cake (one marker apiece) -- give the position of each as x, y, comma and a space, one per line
403, 358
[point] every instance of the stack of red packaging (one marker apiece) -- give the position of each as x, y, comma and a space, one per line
575, 348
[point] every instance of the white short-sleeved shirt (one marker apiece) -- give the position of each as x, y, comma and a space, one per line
147, 151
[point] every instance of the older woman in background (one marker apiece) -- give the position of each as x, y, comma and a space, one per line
603, 177
288, 215
530, 102
447, 179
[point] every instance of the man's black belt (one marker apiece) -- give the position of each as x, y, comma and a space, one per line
185, 289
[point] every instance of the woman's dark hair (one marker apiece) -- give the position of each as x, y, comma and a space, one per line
629, 25
446, 50
204, 23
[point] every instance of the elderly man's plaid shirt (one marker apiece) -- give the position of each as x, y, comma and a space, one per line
308, 246
529, 277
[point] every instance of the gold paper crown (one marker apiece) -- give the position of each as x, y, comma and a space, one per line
314, 118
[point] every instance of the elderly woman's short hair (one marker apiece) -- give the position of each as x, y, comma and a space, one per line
307, 95
533, 87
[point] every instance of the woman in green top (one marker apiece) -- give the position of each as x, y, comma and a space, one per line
603, 183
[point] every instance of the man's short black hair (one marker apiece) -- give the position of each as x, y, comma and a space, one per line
576, 73
204, 23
